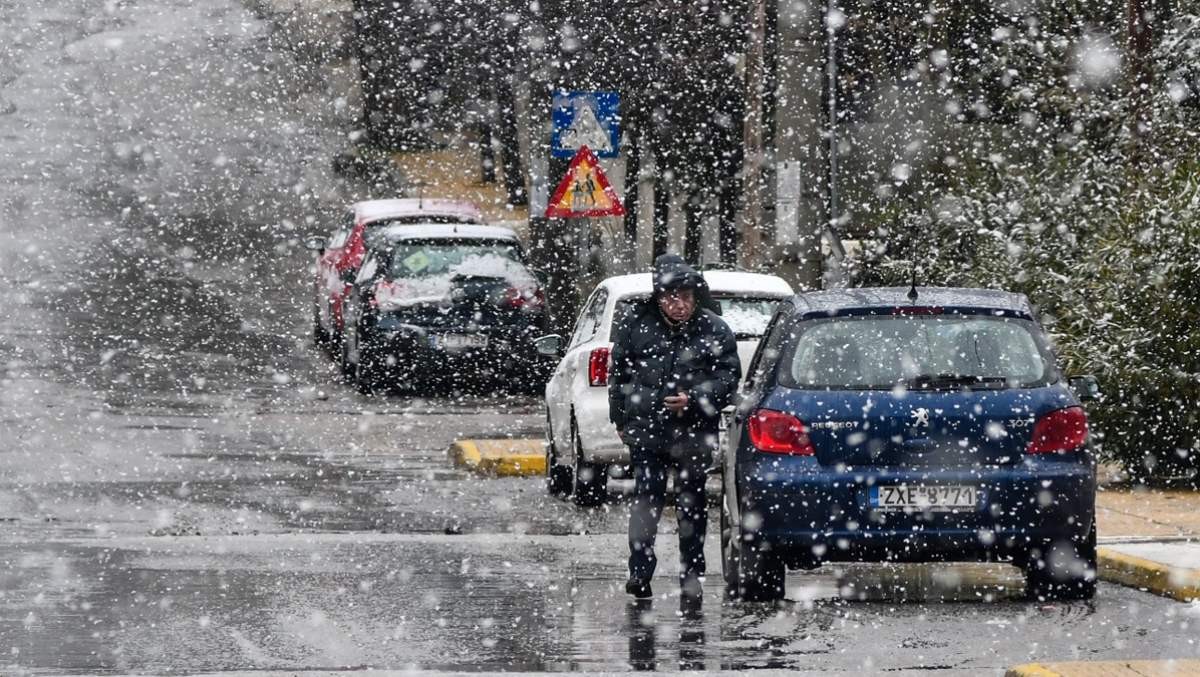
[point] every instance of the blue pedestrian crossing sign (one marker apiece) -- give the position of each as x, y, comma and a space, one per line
591, 119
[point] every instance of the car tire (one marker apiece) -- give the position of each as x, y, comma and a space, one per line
345, 366
591, 479
1062, 570
370, 373
319, 335
728, 564
558, 477
752, 573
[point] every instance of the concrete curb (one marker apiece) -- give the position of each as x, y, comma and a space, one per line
500, 458
1030, 670
1179, 667
1136, 572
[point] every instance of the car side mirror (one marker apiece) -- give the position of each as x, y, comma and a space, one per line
315, 243
550, 345
1086, 388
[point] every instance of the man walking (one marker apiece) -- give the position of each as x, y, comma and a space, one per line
674, 367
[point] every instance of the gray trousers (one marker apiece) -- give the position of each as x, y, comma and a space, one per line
650, 468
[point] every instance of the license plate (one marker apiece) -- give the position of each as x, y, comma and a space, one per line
924, 497
460, 341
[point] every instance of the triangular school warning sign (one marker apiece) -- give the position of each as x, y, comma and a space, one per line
584, 191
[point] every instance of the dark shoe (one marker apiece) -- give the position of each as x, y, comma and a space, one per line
638, 588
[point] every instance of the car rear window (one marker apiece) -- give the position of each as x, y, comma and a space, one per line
935, 351
747, 317
414, 259
422, 219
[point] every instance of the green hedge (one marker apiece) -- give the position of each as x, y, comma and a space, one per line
1100, 229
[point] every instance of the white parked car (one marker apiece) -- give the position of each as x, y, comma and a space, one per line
581, 443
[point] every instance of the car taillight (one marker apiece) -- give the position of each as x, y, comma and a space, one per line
524, 299
1059, 431
598, 367
778, 433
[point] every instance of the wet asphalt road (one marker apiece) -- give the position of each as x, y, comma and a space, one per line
185, 488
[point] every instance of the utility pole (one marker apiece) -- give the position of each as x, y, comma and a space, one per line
770, 97
752, 213
833, 21
800, 147
510, 147
552, 245
487, 154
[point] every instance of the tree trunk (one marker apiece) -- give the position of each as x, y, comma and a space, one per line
510, 146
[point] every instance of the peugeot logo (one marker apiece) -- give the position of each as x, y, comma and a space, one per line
920, 417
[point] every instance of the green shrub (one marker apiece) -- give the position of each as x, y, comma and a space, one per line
1100, 230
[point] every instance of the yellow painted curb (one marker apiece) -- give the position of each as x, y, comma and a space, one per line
1030, 670
1183, 667
502, 458
1135, 572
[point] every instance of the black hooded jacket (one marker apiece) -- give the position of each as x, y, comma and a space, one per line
652, 359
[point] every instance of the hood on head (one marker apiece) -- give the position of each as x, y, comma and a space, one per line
671, 272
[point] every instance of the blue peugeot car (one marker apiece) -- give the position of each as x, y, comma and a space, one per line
908, 425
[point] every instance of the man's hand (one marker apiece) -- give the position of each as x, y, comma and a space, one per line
676, 403
624, 440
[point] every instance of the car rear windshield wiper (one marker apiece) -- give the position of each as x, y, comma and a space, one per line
952, 380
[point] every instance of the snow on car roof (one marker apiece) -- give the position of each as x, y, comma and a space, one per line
374, 210
834, 300
719, 282
455, 231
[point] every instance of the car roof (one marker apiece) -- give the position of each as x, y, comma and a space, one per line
450, 231
719, 282
374, 210
837, 301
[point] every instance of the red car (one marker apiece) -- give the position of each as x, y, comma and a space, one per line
339, 256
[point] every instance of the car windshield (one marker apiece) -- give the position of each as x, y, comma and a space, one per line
429, 258
920, 352
747, 317
376, 233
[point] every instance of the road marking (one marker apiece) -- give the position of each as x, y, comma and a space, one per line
501, 458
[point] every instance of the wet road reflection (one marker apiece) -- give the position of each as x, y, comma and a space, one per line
643, 626
498, 602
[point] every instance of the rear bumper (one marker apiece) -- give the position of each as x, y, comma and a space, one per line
813, 514
597, 435
508, 347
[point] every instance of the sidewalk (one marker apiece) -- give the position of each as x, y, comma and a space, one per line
456, 174
1180, 668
